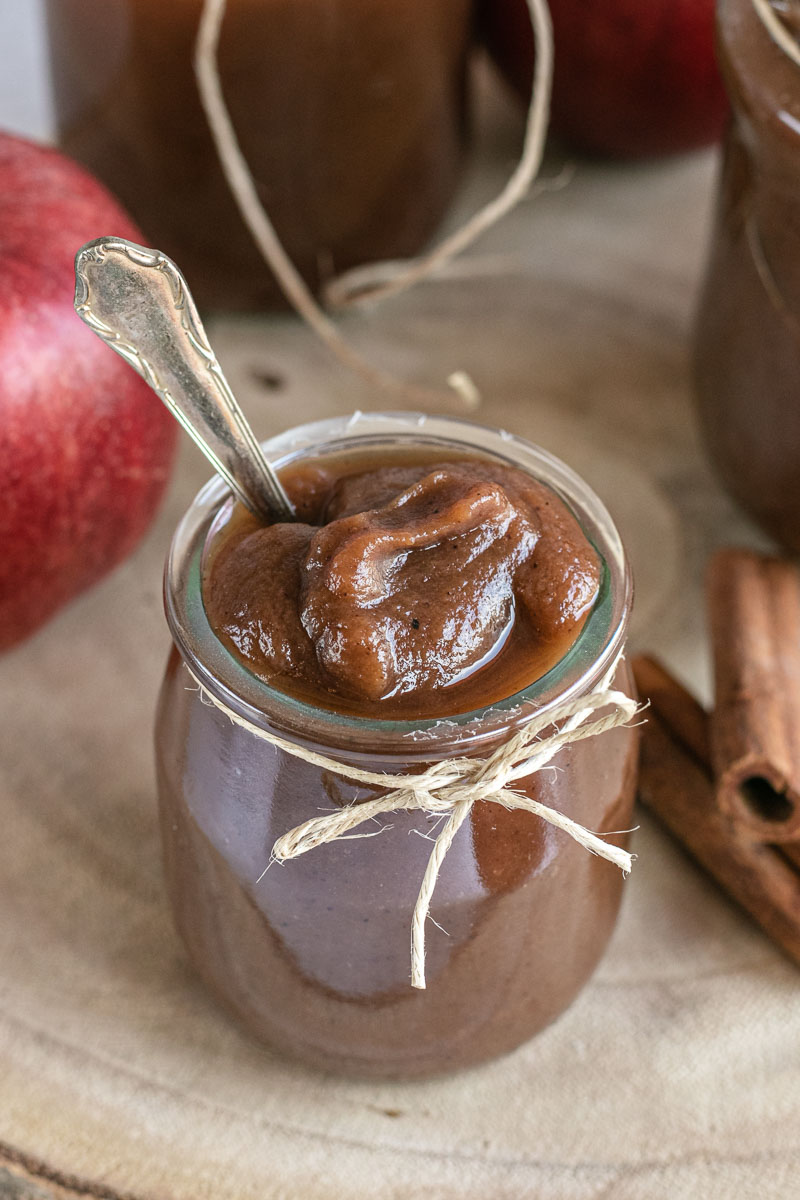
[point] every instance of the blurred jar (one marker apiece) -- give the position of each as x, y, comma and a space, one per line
350, 113
747, 338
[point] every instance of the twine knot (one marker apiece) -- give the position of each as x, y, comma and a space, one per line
451, 787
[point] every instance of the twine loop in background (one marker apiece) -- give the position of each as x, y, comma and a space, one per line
367, 284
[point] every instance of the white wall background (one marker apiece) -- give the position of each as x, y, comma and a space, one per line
25, 105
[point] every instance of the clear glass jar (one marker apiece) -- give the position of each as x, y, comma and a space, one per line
314, 954
350, 113
747, 335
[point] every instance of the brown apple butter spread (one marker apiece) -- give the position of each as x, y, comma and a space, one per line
747, 345
410, 587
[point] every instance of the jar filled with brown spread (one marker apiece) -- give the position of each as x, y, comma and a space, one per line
350, 114
442, 582
747, 345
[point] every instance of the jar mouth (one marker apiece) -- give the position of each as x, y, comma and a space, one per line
231, 682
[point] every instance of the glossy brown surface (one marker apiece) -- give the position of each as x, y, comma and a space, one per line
409, 588
747, 348
314, 955
350, 114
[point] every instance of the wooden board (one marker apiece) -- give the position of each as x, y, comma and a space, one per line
675, 1073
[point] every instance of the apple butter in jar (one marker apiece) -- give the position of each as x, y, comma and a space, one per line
747, 338
442, 583
350, 114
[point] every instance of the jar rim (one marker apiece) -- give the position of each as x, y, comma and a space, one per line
230, 682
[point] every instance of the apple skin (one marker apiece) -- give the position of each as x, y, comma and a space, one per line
85, 445
632, 78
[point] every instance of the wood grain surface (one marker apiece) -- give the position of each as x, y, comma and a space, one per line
23, 1179
677, 1072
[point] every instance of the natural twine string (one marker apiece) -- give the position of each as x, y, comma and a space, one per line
452, 787
368, 283
377, 282
777, 30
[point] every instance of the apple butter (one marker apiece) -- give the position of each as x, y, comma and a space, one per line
747, 337
350, 113
441, 580
410, 588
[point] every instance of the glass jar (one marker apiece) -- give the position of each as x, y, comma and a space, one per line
350, 114
314, 954
747, 337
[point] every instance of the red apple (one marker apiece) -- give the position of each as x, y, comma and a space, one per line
85, 446
631, 77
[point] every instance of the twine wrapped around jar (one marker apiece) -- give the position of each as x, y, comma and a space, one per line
450, 788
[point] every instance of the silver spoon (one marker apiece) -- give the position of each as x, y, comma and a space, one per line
137, 301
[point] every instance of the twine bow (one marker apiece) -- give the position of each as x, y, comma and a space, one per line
453, 786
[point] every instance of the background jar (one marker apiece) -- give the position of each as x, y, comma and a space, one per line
350, 114
747, 337
314, 954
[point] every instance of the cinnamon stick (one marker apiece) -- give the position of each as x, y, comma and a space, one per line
791, 852
676, 707
677, 784
754, 613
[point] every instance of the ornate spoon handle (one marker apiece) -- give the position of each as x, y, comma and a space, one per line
138, 302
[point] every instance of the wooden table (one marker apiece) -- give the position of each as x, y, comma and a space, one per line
675, 1072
